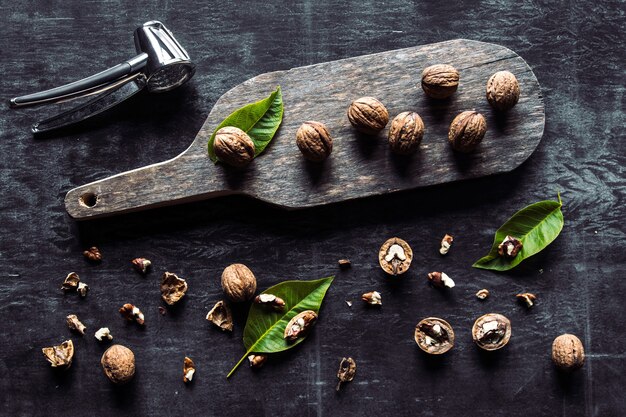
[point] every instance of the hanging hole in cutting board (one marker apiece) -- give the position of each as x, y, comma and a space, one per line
88, 200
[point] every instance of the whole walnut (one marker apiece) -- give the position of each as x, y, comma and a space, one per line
233, 146
406, 133
467, 131
368, 115
314, 141
568, 353
502, 91
118, 364
238, 283
440, 81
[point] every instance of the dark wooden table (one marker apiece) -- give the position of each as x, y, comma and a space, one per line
577, 52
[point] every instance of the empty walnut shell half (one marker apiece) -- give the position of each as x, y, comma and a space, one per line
395, 256
434, 335
503, 91
221, 316
238, 283
172, 288
233, 146
368, 115
60, 356
440, 81
467, 130
491, 331
406, 133
300, 325
314, 141
118, 364
568, 353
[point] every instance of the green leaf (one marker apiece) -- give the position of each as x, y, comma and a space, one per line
536, 226
259, 120
265, 328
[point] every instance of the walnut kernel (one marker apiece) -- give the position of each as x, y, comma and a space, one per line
372, 298
93, 254
299, 325
189, 369
132, 313
141, 265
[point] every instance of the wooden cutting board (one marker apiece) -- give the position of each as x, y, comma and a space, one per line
359, 166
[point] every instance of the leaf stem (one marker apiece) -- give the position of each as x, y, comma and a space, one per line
232, 371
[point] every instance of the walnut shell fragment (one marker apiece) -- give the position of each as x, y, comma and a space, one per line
491, 331
395, 256
172, 288
346, 372
568, 353
300, 325
368, 115
118, 364
503, 91
71, 282
440, 81
189, 369
467, 130
482, 294
406, 133
221, 316
314, 141
60, 356
434, 335
238, 283
233, 146
74, 324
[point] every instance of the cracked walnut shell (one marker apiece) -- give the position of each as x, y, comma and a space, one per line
406, 133
434, 335
172, 288
238, 283
491, 331
368, 115
233, 146
503, 91
314, 141
60, 356
395, 256
467, 130
118, 364
440, 81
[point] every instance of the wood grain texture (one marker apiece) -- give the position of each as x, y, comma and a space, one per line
360, 165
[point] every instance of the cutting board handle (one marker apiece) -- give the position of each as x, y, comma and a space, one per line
188, 177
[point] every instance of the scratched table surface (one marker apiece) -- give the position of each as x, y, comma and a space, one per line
576, 49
